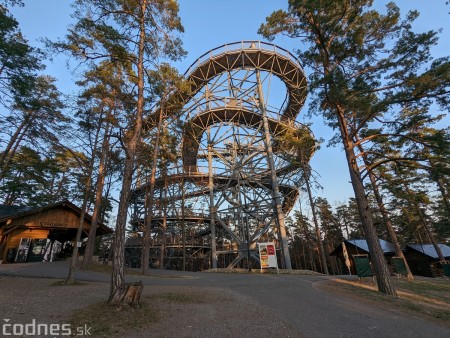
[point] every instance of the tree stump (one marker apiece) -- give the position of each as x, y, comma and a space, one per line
129, 294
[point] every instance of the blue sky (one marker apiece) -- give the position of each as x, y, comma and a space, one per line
211, 23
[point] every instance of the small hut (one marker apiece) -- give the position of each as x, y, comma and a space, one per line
357, 248
423, 259
35, 234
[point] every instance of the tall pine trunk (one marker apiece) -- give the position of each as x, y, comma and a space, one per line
150, 200
87, 190
440, 185
118, 287
385, 215
73, 265
379, 264
164, 226
89, 250
316, 224
11, 147
425, 224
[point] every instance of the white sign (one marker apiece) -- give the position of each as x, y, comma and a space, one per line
267, 255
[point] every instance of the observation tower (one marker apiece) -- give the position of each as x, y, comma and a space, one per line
238, 163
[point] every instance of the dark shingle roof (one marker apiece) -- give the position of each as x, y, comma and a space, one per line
361, 244
16, 212
386, 246
430, 251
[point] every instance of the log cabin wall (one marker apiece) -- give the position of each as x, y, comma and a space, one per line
354, 250
59, 218
16, 235
419, 263
38, 226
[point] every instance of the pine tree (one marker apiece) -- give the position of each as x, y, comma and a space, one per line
332, 231
356, 79
19, 62
135, 34
37, 117
102, 98
164, 82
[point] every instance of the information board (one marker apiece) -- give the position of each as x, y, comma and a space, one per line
267, 255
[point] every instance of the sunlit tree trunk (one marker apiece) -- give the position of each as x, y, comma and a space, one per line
164, 226
379, 264
425, 224
118, 287
385, 215
11, 147
87, 190
316, 225
89, 250
150, 199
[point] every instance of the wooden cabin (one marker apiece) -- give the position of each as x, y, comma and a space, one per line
359, 247
423, 259
29, 234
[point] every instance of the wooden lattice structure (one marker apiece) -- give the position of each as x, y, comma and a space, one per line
234, 180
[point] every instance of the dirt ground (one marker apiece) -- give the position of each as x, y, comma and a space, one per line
186, 311
216, 312
430, 305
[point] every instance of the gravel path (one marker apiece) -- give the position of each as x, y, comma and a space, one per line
219, 305
23, 299
219, 313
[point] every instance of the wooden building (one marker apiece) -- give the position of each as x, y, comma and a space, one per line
359, 247
423, 259
29, 234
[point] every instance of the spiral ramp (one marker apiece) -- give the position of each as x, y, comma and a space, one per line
233, 181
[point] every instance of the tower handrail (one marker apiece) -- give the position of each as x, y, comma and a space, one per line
244, 45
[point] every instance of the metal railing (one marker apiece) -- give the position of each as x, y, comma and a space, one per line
243, 45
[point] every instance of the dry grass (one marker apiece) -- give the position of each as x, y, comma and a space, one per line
429, 298
109, 321
178, 297
65, 283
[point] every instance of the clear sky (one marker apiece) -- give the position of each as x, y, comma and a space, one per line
211, 23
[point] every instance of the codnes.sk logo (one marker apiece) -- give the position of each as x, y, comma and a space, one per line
41, 329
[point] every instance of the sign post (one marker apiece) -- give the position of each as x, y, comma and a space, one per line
268, 256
